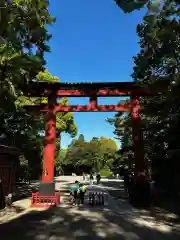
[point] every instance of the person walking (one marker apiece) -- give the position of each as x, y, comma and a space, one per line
74, 191
84, 177
131, 187
82, 188
126, 181
98, 178
143, 189
91, 179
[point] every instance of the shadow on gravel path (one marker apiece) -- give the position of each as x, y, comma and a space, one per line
66, 223
117, 221
164, 210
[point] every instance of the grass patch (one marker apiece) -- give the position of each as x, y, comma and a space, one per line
105, 173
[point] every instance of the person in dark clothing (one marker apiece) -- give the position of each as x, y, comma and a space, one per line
126, 181
75, 192
98, 178
82, 192
91, 178
131, 187
77, 197
131, 178
143, 189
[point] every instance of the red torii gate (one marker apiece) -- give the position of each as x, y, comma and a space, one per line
93, 91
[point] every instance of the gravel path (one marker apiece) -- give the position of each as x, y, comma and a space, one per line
118, 220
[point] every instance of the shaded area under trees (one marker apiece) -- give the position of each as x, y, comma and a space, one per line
158, 59
24, 38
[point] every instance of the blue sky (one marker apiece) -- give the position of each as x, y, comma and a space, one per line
93, 40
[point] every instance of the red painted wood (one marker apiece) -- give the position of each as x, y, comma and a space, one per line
91, 108
100, 89
93, 104
91, 92
39, 201
49, 147
137, 135
81, 108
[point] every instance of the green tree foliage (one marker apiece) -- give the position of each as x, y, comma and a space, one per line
158, 59
60, 160
130, 5
23, 129
96, 154
64, 121
123, 132
23, 41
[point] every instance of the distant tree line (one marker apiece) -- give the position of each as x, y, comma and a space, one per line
87, 156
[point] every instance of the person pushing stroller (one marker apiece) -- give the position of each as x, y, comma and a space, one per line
74, 191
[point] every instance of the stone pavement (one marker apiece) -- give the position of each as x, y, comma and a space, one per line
118, 220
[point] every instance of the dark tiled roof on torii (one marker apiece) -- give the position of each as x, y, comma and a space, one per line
44, 88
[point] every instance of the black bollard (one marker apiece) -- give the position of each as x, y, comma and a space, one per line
90, 197
93, 199
96, 198
99, 197
102, 198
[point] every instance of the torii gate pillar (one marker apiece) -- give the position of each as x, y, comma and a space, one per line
47, 186
141, 192
137, 136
